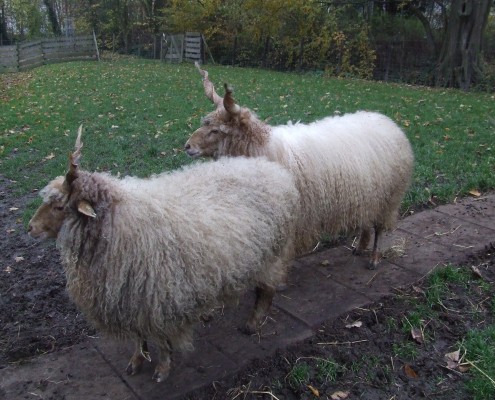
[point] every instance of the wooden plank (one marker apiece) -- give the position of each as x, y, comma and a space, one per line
8, 62
66, 56
31, 61
6, 50
27, 45
30, 65
48, 52
30, 52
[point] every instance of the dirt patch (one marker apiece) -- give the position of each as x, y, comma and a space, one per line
373, 360
36, 314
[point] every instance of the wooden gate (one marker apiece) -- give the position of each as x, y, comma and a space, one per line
190, 47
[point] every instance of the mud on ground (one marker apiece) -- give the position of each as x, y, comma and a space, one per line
37, 316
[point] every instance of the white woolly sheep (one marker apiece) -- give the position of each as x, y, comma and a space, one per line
351, 171
145, 258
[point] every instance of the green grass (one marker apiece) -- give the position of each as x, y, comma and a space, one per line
137, 114
480, 353
299, 375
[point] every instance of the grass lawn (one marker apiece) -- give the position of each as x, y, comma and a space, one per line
137, 114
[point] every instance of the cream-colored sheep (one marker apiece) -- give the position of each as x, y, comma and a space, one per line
351, 171
145, 258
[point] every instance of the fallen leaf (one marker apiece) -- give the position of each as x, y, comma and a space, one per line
417, 335
8, 270
339, 395
476, 271
418, 289
452, 359
314, 391
464, 367
49, 156
475, 193
10, 230
13, 209
355, 324
325, 262
19, 259
410, 372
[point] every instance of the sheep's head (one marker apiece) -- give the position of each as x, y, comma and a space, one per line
50, 216
223, 129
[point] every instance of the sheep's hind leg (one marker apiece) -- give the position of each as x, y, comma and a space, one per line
364, 240
264, 298
162, 368
137, 359
375, 254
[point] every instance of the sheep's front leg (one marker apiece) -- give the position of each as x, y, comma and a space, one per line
137, 359
162, 368
375, 254
264, 298
364, 239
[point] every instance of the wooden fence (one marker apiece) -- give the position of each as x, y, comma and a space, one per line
22, 56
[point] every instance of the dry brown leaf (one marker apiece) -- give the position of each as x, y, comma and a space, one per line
10, 230
325, 263
19, 259
452, 359
49, 156
418, 289
417, 335
475, 193
339, 395
410, 372
476, 272
355, 324
464, 368
13, 208
315, 391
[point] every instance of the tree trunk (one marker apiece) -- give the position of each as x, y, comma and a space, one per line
4, 36
461, 62
52, 16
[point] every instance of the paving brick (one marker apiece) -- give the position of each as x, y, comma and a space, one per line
314, 299
76, 373
437, 227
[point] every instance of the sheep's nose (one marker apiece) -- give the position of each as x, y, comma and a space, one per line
187, 146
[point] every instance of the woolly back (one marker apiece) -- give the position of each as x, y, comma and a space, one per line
163, 250
352, 172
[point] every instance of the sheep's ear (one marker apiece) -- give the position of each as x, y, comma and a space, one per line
74, 158
209, 88
229, 102
85, 208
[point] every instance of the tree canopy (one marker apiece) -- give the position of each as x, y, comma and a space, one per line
442, 42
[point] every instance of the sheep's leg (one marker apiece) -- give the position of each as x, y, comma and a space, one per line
264, 298
137, 359
364, 240
375, 254
162, 368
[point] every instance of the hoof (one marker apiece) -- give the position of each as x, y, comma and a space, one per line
133, 369
160, 376
248, 329
372, 265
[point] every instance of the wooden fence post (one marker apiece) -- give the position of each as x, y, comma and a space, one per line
18, 56
96, 46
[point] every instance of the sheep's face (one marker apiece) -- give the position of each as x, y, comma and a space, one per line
49, 217
207, 140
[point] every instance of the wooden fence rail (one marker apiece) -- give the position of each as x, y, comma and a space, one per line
22, 56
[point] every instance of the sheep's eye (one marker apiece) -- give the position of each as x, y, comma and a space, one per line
59, 208
215, 131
